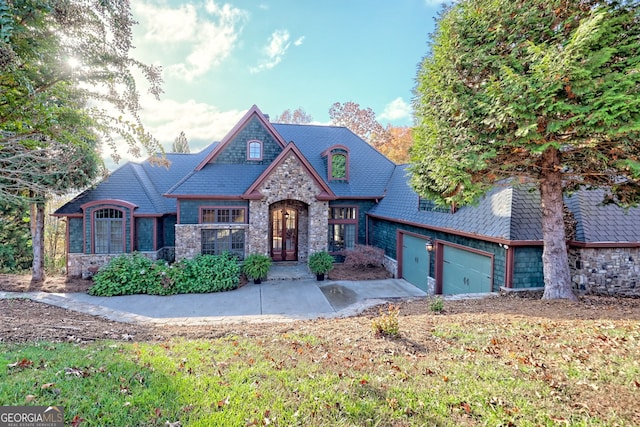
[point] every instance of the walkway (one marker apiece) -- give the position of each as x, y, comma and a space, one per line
273, 300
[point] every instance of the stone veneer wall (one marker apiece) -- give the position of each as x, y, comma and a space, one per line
606, 271
189, 238
289, 181
86, 265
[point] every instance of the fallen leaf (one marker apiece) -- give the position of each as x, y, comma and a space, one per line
47, 385
30, 398
24, 363
76, 420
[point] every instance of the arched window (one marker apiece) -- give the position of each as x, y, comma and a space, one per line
254, 150
108, 234
337, 163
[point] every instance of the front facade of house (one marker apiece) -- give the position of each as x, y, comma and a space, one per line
291, 190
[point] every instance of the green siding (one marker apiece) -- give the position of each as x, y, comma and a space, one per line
527, 267
190, 209
167, 231
383, 234
144, 234
75, 235
236, 150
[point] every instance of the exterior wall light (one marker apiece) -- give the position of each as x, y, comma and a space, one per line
429, 245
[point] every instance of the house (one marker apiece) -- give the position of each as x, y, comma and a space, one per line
290, 190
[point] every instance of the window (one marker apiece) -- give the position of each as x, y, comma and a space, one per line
216, 242
254, 150
338, 166
337, 158
108, 229
426, 205
343, 224
222, 215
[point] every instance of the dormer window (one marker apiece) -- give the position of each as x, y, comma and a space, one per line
337, 163
254, 150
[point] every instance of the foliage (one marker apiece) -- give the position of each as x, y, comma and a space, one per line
364, 256
209, 273
436, 304
398, 144
362, 122
180, 144
131, 274
320, 262
387, 323
540, 91
298, 117
15, 237
256, 266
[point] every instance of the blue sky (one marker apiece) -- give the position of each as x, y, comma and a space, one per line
220, 58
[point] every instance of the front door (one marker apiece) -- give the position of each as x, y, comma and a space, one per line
284, 234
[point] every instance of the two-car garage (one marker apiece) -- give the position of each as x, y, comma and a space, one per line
456, 269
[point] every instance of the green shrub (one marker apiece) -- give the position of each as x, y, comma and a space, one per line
437, 304
256, 266
125, 274
320, 262
130, 274
209, 273
387, 324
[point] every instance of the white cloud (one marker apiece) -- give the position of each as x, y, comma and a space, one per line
275, 50
396, 110
202, 124
204, 36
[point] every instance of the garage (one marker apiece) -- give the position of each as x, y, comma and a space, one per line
415, 261
465, 272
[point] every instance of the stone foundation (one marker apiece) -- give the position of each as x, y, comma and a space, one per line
606, 271
189, 238
86, 265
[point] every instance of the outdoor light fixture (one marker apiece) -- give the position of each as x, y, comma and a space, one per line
429, 245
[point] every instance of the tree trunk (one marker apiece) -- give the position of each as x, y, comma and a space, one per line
555, 262
37, 234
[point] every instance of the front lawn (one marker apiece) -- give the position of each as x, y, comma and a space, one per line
467, 369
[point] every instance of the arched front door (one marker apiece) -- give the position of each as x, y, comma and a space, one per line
284, 234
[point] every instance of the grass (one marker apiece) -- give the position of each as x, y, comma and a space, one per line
524, 373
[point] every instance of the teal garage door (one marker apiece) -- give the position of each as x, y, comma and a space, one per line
465, 272
415, 261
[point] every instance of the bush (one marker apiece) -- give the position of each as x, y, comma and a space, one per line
125, 274
256, 266
209, 273
387, 323
363, 256
320, 262
436, 304
131, 274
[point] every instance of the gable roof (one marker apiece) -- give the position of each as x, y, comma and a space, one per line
254, 111
369, 170
325, 194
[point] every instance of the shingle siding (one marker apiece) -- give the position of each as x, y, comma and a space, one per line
75, 235
235, 152
527, 267
144, 234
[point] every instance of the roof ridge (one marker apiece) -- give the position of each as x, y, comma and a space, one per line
147, 184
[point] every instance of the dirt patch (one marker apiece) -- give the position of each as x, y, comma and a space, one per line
343, 272
22, 283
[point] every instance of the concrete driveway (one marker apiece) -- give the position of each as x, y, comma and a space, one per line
273, 300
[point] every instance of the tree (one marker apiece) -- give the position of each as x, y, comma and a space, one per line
298, 117
180, 144
397, 146
543, 91
66, 82
362, 122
